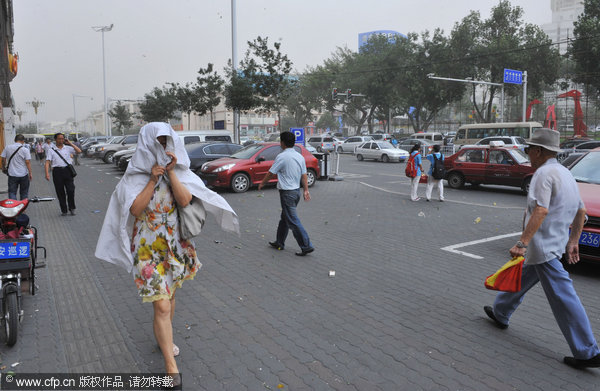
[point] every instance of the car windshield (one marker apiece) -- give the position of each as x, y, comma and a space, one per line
117, 140
248, 151
385, 145
519, 156
586, 170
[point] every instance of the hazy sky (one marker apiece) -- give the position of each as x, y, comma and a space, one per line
157, 41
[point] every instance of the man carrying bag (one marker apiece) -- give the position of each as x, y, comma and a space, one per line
18, 168
60, 159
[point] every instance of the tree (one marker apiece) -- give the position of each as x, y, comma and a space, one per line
585, 48
210, 86
486, 47
327, 120
159, 105
188, 99
121, 117
238, 91
268, 71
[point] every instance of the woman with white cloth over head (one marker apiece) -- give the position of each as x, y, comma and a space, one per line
141, 227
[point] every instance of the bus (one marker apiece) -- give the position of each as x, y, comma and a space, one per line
470, 134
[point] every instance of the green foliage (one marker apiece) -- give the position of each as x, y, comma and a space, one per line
210, 86
327, 120
159, 105
238, 91
121, 117
585, 48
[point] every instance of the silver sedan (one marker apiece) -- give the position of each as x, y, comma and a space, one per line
380, 150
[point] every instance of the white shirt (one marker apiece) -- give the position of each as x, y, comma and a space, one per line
554, 188
47, 146
55, 160
17, 167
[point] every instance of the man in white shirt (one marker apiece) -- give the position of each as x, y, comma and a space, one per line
554, 207
17, 158
59, 158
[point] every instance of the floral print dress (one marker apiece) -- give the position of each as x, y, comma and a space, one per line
163, 260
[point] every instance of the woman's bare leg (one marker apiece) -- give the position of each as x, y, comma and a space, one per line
163, 331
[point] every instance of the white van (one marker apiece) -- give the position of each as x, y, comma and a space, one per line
197, 136
434, 137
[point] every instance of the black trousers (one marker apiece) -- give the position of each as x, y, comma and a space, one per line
65, 188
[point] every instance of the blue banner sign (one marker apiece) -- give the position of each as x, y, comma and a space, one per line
391, 36
513, 77
299, 133
9, 250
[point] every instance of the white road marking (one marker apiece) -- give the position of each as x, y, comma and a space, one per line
453, 248
446, 200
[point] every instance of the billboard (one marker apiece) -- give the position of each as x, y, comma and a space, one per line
391, 35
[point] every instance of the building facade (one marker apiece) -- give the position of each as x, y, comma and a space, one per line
564, 14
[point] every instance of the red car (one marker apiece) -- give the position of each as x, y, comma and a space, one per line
249, 165
491, 165
587, 175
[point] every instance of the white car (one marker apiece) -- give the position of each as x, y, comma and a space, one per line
380, 150
350, 144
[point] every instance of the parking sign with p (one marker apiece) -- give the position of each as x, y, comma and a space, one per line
299, 133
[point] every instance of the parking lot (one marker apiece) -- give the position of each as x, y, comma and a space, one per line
402, 312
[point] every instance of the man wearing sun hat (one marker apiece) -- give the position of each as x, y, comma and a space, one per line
553, 207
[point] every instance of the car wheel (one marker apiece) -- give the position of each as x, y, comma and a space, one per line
108, 158
456, 180
340, 150
311, 177
319, 149
359, 157
385, 159
240, 183
525, 186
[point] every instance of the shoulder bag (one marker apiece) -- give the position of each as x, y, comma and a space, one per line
5, 170
70, 166
191, 218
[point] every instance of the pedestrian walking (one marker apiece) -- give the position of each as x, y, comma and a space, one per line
47, 145
415, 154
39, 151
16, 163
436, 173
141, 230
554, 207
290, 168
76, 155
59, 158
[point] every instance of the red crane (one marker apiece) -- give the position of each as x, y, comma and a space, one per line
579, 127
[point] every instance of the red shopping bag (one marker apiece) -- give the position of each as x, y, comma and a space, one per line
423, 178
508, 277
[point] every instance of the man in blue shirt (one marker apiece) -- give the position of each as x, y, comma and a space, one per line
290, 168
431, 181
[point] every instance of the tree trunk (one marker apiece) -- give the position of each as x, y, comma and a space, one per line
189, 119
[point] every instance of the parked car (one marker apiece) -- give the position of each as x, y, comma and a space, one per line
572, 158
587, 175
106, 152
201, 153
322, 143
125, 159
587, 145
573, 142
93, 150
492, 165
381, 136
434, 137
509, 141
124, 153
380, 150
408, 143
350, 144
248, 166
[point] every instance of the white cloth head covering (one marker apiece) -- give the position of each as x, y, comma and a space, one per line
118, 222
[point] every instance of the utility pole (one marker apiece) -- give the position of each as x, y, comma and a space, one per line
36, 104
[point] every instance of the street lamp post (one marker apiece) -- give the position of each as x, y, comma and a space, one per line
36, 103
236, 113
75, 124
432, 76
104, 29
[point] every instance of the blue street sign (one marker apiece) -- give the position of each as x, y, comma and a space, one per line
10, 250
513, 77
299, 133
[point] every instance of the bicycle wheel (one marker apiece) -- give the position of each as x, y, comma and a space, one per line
11, 318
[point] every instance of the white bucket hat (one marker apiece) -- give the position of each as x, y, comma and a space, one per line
545, 138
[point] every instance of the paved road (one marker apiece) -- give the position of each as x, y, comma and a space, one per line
401, 313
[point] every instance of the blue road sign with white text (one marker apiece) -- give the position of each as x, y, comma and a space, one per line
299, 133
512, 76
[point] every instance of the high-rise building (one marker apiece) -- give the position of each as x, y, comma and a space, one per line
564, 14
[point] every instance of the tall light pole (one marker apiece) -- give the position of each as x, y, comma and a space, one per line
36, 103
236, 119
104, 29
75, 124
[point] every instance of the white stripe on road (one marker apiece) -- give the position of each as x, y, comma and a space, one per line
453, 248
446, 200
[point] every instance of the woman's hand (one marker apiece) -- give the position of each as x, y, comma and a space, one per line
157, 172
173, 162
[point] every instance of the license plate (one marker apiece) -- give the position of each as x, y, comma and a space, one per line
10, 250
589, 239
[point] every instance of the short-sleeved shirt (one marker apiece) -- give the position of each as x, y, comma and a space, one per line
554, 188
439, 156
289, 166
17, 167
47, 146
55, 160
417, 156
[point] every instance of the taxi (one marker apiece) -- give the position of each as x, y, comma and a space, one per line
494, 164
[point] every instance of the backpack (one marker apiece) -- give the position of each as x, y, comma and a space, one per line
411, 167
438, 170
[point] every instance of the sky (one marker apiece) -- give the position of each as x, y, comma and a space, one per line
155, 41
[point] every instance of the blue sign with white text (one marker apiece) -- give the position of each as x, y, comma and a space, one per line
299, 133
512, 76
10, 250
